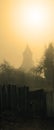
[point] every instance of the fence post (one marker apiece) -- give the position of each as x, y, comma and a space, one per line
13, 97
9, 97
3, 98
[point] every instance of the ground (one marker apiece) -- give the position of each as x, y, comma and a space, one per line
30, 124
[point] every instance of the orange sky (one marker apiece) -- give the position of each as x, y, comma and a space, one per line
21, 25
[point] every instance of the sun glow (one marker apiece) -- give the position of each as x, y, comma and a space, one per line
29, 17
34, 16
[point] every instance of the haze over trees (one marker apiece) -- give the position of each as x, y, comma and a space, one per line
41, 75
46, 66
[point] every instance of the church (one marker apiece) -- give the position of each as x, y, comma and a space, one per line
27, 63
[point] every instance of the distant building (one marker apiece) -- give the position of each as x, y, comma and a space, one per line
27, 60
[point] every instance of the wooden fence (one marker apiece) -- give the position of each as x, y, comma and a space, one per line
21, 100
50, 103
13, 98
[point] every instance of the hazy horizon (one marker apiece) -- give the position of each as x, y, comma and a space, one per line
25, 22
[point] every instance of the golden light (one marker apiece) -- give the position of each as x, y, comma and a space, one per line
28, 18
34, 17
25, 22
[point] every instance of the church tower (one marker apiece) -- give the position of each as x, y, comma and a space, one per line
27, 60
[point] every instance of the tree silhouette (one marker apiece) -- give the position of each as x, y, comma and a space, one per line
49, 64
6, 73
46, 66
11, 75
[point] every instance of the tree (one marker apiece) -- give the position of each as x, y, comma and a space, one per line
6, 73
49, 64
11, 75
46, 67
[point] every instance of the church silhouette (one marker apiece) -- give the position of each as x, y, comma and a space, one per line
27, 63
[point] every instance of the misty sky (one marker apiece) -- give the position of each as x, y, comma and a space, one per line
25, 22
